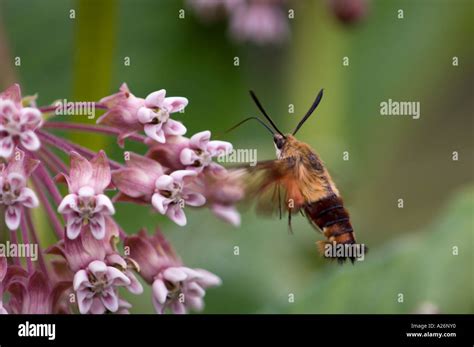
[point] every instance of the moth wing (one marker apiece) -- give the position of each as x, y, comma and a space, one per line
272, 186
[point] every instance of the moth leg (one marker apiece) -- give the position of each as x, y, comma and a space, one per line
290, 229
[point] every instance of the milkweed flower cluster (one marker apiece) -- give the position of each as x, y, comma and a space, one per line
94, 259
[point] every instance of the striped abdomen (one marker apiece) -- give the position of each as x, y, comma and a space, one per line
332, 218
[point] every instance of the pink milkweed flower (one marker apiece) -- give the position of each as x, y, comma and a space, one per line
14, 194
200, 151
155, 115
173, 193
96, 287
211, 9
261, 22
122, 112
175, 287
95, 270
136, 182
17, 123
86, 205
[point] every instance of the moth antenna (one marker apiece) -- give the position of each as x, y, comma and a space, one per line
260, 107
310, 111
246, 120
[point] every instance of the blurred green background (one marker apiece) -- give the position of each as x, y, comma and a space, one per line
411, 249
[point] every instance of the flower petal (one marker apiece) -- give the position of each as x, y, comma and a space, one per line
175, 128
12, 217
155, 99
80, 173
110, 300
160, 203
188, 156
31, 117
68, 204
80, 279
175, 103
200, 140
159, 291
174, 274
155, 132
97, 226
100, 172
28, 198
133, 182
6, 146
164, 182
73, 226
179, 175
176, 214
195, 199
29, 140
104, 204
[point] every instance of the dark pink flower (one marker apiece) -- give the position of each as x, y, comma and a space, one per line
14, 194
17, 123
86, 205
175, 287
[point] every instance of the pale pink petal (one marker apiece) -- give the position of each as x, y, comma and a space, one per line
30, 116
195, 199
145, 115
208, 279
159, 308
104, 204
159, 291
175, 274
84, 301
74, 226
188, 157
80, 278
116, 277
135, 286
195, 289
6, 147
227, 213
174, 128
176, 214
29, 140
175, 103
28, 198
218, 148
12, 217
68, 204
155, 99
160, 203
97, 226
97, 267
150, 166
200, 140
164, 182
7, 108
155, 132
195, 303
180, 175
110, 300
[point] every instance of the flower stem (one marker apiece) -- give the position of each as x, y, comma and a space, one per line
26, 240
90, 128
67, 147
32, 229
53, 218
14, 238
